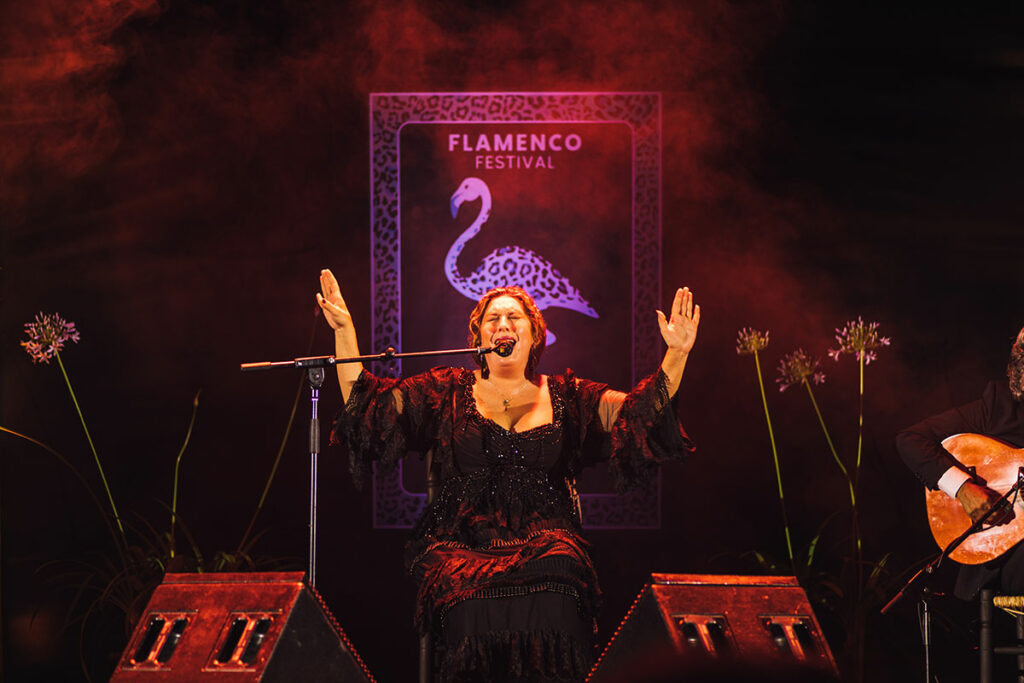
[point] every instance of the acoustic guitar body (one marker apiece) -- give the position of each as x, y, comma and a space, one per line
997, 463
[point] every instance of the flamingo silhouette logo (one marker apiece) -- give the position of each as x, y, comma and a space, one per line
507, 266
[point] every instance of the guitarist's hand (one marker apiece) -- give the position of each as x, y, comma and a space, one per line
976, 501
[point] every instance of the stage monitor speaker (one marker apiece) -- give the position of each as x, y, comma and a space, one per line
238, 627
704, 621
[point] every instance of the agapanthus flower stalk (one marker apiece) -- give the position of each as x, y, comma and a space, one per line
860, 339
46, 337
749, 342
800, 368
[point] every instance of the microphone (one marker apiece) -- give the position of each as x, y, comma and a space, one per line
504, 347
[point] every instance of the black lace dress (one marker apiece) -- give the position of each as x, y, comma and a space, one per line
507, 589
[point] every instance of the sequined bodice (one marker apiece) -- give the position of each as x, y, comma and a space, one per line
502, 484
482, 443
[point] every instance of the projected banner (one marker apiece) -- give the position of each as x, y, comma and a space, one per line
559, 193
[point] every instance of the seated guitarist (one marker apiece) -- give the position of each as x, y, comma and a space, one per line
999, 413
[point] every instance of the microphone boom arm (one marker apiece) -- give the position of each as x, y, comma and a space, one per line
389, 354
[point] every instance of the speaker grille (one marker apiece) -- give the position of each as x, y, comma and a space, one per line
256, 627
703, 619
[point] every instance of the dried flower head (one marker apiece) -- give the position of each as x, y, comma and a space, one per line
797, 367
47, 335
858, 338
749, 341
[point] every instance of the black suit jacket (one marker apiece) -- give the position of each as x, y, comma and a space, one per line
995, 414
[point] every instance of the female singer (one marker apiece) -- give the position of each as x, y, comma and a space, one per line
506, 587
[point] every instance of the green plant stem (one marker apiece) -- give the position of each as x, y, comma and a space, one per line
775, 459
856, 471
831, 446
177, 467
88, 437
860, 422
858, 551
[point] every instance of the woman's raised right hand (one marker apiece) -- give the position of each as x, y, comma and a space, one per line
332, 303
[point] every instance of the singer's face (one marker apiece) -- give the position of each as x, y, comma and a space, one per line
506, 319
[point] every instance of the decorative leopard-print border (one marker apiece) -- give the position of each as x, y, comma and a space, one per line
393, 505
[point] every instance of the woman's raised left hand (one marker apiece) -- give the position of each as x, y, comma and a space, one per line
679, 330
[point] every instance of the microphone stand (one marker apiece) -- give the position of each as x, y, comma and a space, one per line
315, 372
926, 573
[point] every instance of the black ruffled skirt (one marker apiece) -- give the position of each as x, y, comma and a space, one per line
535, 637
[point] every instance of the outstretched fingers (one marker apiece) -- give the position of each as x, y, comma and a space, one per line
331, 302
681, 330
682, 305
328, 284
330, 289
687, 304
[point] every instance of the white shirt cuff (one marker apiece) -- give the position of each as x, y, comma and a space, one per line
951, 481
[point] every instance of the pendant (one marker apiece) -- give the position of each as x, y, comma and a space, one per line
506, 402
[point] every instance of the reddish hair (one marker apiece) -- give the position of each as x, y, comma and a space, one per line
537, 325
1015, 368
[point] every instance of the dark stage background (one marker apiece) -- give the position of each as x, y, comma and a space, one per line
173, 175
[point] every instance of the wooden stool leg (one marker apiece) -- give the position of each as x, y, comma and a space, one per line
985, 647
426, 674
